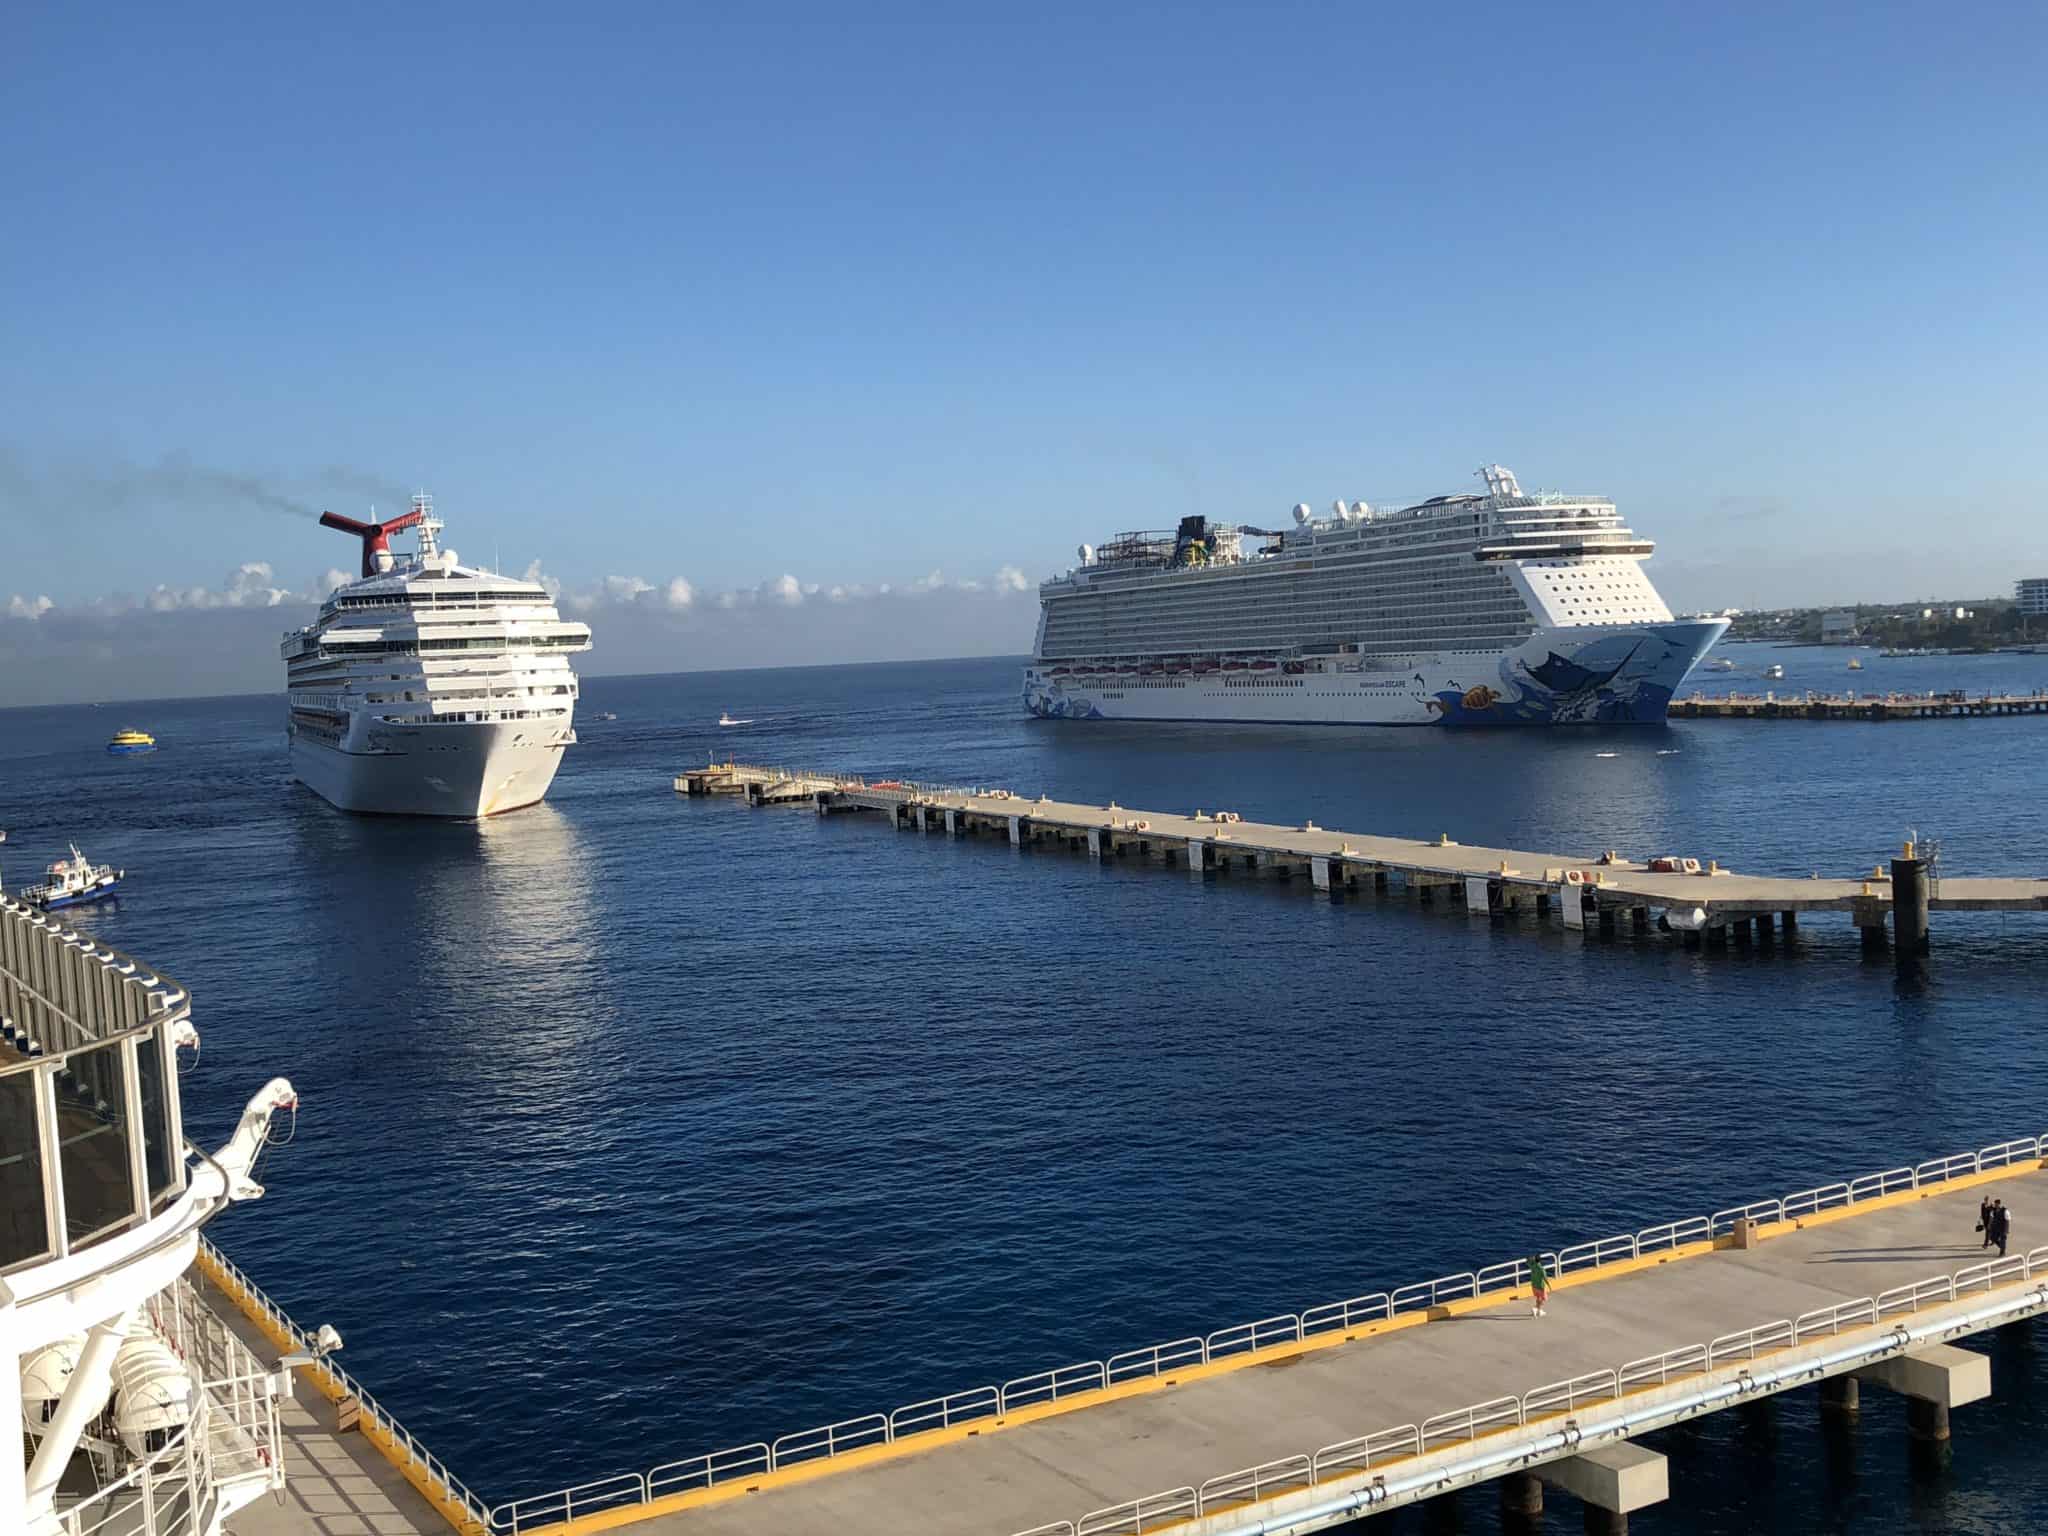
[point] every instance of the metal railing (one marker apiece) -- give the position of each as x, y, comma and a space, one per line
406, 1451
1555, 1400
1046, 1388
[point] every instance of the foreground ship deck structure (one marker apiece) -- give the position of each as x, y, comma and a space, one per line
141, 1413
430, 688
1507, 608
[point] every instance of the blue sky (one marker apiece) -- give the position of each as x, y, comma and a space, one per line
648, 292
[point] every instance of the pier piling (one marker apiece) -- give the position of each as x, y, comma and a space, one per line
1909, 909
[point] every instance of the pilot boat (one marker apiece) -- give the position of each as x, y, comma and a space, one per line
71, 881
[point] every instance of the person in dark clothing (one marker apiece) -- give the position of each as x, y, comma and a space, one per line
2002, 1225
1984, 1209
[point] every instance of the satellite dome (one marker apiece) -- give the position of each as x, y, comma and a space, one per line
1361, 511
1302, 515
1341, 510
1087, 553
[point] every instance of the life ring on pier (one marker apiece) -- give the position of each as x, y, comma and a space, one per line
1575, 877
1141, 826
1691, 866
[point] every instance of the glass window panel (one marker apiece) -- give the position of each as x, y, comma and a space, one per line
161, 1165
24, 1223
92, 1130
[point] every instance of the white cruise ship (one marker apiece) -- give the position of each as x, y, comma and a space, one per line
427, 687
1507, 608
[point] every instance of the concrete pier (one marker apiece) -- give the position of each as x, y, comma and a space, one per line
1387, 1401
1612, 1483
1954, 705
1711, 907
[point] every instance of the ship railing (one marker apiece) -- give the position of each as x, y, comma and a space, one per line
406, 1448
171, 1492
1294, 1331
64, 989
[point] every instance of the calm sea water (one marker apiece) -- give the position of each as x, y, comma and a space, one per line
635, 1127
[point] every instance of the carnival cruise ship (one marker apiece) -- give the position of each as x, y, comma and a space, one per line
427, 687
1507, 608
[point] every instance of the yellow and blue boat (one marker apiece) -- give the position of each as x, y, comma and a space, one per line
131, 741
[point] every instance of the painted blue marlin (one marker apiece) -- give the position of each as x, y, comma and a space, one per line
1562, 676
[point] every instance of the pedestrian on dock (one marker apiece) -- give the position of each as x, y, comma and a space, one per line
1539, 1285
1984, 1210
2001, 1225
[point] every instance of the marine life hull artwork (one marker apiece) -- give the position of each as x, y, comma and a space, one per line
1573, 676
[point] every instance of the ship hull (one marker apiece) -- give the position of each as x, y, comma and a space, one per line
461, 771
79, 898
1581, 675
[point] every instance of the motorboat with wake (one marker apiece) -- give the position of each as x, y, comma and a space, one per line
725, 718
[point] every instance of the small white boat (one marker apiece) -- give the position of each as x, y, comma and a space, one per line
1774, 671
71, 881
607, 715
1719, 664
726, 719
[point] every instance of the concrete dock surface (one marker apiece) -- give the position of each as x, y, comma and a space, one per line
1059, 1468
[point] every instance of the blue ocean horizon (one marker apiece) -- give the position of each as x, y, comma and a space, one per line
712, 1124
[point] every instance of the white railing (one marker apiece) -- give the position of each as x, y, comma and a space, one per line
167, 1494
415, 1456
1161, 1361
1348, 1458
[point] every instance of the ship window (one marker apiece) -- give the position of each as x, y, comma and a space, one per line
162, 1170
92, 1136
24, 1222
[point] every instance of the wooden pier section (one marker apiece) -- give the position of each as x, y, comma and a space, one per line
1307, 1420
1701, 902
1854, 706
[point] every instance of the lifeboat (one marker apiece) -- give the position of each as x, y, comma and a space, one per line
1264, 666
45, 1372
152, 1394
1234, 666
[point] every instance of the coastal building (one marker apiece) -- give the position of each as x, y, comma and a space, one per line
1837, 626
2031, 593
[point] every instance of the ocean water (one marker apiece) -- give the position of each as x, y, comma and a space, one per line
635, 1127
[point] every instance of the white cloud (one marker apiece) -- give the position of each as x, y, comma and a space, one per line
252, 584
535, 574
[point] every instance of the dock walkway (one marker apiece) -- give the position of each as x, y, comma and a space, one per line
1308, 1419
1702, 902
1954, 705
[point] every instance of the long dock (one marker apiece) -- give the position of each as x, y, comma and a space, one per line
1304, 1420
1955, 705
1702, 903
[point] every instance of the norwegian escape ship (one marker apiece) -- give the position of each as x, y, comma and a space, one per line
427, 687
1507, 608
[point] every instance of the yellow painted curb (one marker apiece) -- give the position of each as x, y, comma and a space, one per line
330, 1386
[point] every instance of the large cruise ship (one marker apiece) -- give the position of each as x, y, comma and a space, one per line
1508, 608
430, 688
